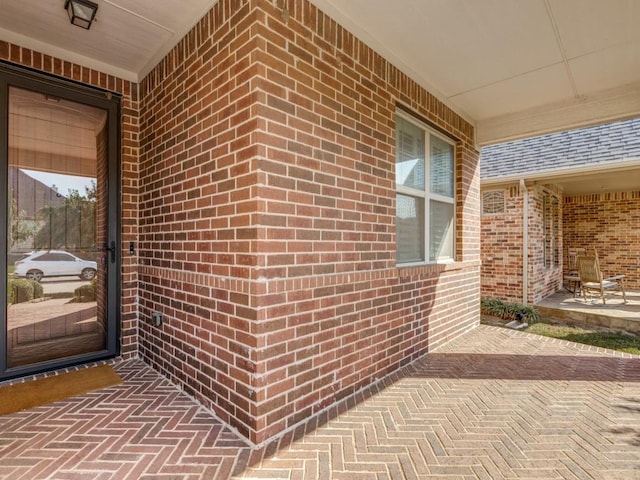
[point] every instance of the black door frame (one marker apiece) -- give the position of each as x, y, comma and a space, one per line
20, 77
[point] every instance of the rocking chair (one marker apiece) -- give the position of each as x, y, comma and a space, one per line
591, 278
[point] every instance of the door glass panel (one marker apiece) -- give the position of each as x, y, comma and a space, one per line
56, 224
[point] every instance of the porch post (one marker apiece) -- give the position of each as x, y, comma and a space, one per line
525, 241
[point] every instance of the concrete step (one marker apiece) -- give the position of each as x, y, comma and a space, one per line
615, 314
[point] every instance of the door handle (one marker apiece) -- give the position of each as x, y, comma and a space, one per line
111, 248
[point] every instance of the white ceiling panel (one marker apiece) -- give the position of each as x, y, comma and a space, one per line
128, 34
498, 63
39, 19
168, 14
542, 86
607, 69
602, 182
457, 37
588, 26
172, 20
483, 47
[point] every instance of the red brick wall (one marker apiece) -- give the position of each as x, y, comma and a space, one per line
198, 212
268, 218
610, 223
501, 239
128, 164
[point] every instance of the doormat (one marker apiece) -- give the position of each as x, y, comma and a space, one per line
20, 396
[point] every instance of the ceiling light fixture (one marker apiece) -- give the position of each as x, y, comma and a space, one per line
81, 12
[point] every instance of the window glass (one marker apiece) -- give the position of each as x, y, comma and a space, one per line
409, 155
441, 228
441, 171
410, 229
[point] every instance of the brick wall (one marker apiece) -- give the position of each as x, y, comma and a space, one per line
610, 223
128, 165
501, 238
198, 207
267, 217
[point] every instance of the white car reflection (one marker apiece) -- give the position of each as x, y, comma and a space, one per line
54, 263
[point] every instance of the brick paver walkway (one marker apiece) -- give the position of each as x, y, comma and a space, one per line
493, 404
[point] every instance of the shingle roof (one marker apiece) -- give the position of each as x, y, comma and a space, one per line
573, 148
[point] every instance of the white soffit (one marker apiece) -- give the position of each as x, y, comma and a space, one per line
591, 26
606, 177
603, 182
513, 68
608, 68
503, 97
127, 39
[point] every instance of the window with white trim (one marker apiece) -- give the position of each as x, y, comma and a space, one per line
425, 193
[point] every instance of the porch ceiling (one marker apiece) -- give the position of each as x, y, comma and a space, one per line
621, 177
515, 69
600, 182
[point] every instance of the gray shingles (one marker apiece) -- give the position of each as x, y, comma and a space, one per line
612, 142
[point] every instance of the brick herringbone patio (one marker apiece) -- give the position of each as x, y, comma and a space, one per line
492, 404
143, 429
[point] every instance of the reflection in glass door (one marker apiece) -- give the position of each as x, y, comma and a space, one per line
57, 229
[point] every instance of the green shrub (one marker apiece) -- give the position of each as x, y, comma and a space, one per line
85, 293
493, 306
38, 290
20, 290
530, 314
508, 310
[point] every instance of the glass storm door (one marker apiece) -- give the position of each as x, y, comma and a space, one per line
60, 229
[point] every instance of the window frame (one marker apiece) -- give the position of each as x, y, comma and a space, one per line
426, 196
551, 219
